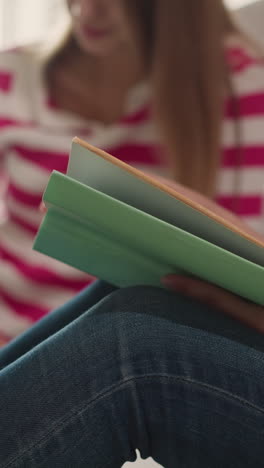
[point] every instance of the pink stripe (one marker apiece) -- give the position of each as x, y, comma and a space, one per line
31, 311
85, 133
4, 339
138, 117
249, 156
6, 122
133, 154
49, 160
244, 205
26, 198
246, 106
6, 81
51, 103
4, 336
139, 154
42, 275
238, 59
23, 224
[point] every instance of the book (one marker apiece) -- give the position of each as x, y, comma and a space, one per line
128, 228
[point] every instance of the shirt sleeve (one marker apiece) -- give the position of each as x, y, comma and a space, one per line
15, 106
242, 177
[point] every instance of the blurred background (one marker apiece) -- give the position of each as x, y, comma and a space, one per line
20, 25
29, 21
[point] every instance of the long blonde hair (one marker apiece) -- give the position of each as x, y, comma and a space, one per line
183, 42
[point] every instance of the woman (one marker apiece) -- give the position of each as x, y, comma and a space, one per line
168, 372
90, 86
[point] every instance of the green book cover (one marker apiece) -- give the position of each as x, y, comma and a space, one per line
110, 220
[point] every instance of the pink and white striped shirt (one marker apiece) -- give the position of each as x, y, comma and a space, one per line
35, 138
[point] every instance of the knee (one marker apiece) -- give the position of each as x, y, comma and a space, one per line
132, 321
127, 305
130, 312
130, 316
154, 301
143, 299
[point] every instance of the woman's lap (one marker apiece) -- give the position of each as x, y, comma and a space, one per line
54, 322
141, 369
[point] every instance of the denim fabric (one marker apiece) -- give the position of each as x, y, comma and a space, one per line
116, 370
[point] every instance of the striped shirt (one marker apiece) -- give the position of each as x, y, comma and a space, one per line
35, 138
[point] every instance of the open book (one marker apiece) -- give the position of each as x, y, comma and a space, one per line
112, 221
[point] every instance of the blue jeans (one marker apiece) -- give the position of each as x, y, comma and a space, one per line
117, 370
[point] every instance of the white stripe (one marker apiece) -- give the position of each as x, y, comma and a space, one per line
250, 181
3, 213
25, 213
24, 290
9, 61
19, 243
25, 175
252, 129
255, 222
249, 81
41, 138
12, 324
18, 103
104, 137
14, 108
123, 135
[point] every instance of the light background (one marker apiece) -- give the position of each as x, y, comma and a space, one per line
26, 21
23, 21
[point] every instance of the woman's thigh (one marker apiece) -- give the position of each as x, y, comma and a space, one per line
139, 370
54, 321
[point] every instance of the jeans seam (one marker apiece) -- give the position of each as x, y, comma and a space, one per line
112, 389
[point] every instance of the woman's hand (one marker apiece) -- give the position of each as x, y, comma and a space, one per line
224, 301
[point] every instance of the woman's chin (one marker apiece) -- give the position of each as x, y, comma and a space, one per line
99, 47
